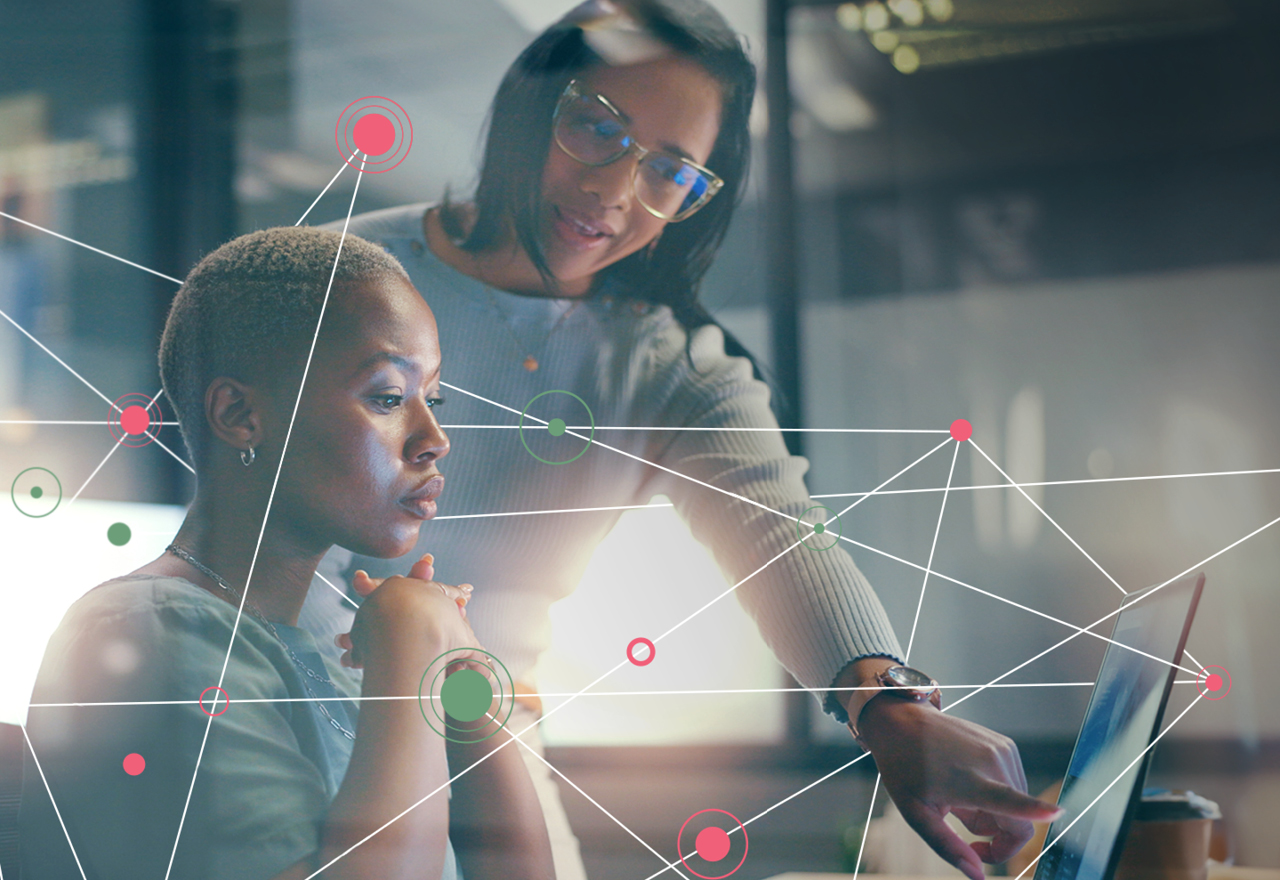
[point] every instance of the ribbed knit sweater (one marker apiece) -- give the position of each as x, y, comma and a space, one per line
632, 364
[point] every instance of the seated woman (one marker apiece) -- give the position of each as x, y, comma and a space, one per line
290, 776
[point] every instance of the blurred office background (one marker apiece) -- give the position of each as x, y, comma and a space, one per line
1057, 220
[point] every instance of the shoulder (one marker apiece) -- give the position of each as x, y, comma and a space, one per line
402, 221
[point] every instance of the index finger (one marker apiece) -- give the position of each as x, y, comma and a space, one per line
1008, 801
929, 824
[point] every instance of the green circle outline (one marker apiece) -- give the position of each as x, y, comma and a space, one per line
13, 492
501, 694
590, 417
445, 720
839, 529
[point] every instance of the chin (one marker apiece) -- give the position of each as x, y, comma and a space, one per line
390, 543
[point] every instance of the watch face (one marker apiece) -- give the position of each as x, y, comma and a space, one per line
906, 677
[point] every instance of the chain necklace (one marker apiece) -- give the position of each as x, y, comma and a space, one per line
530, 362
261, 618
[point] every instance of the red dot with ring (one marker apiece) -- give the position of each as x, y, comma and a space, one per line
1213, 682
226, 698
711, 844
641, 661
134, 419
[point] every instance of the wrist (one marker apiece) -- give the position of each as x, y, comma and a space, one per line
857, 683
892, 684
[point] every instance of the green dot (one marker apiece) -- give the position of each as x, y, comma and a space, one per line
36, 491
466, 695
119, 534
819, 529
556, 427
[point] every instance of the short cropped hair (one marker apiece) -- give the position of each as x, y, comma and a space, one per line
253, 302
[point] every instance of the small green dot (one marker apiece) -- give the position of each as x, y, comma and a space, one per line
556, 427
466, 695
819, 529
119, 534
36, 491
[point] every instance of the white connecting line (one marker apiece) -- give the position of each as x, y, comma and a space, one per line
1051, 520
52, 802
266, 515
86, 382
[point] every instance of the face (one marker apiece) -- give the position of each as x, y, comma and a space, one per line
361, 469
591, 218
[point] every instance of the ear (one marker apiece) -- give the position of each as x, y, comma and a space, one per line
234, 413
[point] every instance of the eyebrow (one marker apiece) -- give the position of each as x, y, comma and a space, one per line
387, 357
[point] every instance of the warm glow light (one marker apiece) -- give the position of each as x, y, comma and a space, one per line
941, 10
910, 11
885, 41
875, 17
906, 59
849, 16
644, 578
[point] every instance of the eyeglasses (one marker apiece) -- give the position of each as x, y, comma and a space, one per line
591, 130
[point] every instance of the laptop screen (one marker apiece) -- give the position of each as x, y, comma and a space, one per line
1123, 718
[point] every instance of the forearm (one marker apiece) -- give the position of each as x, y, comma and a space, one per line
497, 825
397, 760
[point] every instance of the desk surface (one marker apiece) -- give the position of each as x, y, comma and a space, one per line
1218, 872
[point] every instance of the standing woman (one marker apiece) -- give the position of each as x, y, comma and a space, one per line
617, 150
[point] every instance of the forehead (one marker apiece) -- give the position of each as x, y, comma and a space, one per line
671, 102
382, 315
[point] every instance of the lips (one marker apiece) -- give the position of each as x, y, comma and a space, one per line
422, 501
579, 231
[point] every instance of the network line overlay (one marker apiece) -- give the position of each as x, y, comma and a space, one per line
374, 135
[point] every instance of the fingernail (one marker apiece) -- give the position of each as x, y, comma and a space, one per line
427, 558
466, 587
361, 571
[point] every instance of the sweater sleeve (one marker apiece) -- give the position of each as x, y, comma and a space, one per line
814, 608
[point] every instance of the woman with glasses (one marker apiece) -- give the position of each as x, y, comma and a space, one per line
566, 293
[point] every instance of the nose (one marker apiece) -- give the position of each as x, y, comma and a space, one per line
428, 441
613, 184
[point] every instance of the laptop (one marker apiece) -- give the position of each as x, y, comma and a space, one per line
1123, 718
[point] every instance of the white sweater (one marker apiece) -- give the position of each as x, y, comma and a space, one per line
632, 364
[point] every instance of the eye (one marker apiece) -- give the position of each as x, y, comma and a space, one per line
433, 402
387, 401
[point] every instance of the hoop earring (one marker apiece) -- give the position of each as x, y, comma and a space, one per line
247, 456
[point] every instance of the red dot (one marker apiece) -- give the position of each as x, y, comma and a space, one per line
134, 764
135, 420
961, 430
712, 843
1213, 682
374, 134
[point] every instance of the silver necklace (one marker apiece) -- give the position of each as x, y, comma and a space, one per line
261, 618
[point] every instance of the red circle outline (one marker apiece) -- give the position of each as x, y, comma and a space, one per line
342, 133
641, 640
214, 687
1202, 678
123, 437
746, 843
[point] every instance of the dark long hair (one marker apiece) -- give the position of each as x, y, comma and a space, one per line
519, 137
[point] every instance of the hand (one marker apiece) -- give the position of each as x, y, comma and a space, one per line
396, 608
933, 764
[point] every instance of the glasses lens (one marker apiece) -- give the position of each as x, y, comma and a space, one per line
589, 131
670, 186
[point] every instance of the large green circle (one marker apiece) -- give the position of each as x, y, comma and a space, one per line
590, 418
816, 532
506, 695
466, 695
119, 534
13, 493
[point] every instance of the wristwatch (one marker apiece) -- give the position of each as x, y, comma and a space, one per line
902, 683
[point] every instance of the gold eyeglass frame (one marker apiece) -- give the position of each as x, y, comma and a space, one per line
714, 183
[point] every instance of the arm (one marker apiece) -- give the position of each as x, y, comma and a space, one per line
498, 827
933, 764
816, 610
397, 760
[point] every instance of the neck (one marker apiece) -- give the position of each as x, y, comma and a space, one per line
224, 540
506, 266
